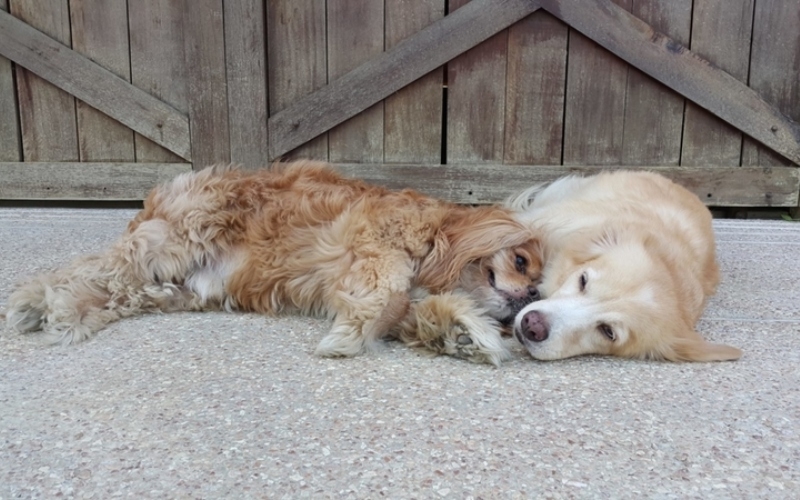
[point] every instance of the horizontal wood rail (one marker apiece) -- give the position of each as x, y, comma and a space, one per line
84, 181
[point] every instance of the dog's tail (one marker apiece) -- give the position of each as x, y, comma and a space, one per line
141, 272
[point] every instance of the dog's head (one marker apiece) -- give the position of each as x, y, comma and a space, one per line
491, 256
617, 296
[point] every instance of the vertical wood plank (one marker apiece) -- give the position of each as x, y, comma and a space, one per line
595, 111
476, 82
297, 60
204, 45
157, 63
720, 33
537, 65
100, 32
355, 34
413, 115
654, 113
47, 114
10, 147
775, 68
245, 57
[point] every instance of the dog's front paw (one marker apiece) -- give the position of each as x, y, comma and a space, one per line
451, 324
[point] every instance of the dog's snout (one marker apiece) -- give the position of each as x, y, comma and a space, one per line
533, 293
534, 326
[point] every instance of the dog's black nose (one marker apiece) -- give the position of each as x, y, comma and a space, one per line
534, 326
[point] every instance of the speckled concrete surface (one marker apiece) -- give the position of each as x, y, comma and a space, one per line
236, 406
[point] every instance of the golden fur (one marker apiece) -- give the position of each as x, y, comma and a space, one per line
630, 262
301, 238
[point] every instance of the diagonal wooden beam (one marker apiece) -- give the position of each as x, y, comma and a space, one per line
392, 70
677, 67
93, 84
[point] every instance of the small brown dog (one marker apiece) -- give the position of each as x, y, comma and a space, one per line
300, 238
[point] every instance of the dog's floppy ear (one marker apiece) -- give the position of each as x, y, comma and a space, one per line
695, 348
468, 235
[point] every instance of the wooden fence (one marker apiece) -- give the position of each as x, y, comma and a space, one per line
468, 100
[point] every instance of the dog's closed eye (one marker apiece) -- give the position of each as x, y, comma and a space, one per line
582, 281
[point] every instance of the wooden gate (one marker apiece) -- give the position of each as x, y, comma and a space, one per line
467, 100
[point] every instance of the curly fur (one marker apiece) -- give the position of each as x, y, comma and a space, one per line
300, 238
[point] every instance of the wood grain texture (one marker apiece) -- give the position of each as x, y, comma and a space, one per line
84, 181
47, 113
297, 55
207, 88
100, 32
245, 58
721, 34
775, 68
413, 115
361, 137
653, 112
476, 83
685, 72
383, 75
537, 66
10, 146
594, 116
157, 63
491, 183
91, 83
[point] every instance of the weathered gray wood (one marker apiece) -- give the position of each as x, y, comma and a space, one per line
721, 34
157, 63
674, 65
537, 67
245, 56
204, 42
10, 147
775, 68
413, 115
100, 32
91, 83
653, 112
594, 117
296, 47
84, 181
476, 83
361, 137
47, 114
490, 183
392, 70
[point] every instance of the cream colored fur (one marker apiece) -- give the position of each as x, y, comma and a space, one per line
299, 238
630, 263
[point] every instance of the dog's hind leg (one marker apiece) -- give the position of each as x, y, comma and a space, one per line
73, 303
27, 306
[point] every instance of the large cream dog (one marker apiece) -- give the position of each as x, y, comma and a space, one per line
301, 238
629, 263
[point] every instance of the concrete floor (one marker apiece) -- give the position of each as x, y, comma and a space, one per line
236, 406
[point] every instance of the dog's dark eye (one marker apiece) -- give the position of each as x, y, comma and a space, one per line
491, 278
607, 331
521, 263
583, 280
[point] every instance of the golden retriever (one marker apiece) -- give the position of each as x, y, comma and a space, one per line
300, 238
629, 263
